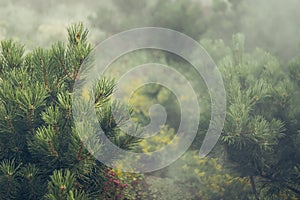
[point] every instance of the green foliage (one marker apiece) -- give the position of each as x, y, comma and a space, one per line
31, 182
261, 130
163, 189
208, 178
12, 54
42, 155
257, 133
9, 184
61, 187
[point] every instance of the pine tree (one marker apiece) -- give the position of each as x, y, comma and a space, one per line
42, 155
262, 124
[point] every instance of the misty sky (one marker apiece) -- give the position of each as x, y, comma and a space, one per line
271, 24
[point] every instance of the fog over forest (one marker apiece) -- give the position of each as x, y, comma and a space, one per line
238, 91
273, 24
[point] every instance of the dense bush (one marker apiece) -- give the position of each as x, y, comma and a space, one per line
42, 155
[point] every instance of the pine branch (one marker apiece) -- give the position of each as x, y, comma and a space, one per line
79, 154
286, 183
254, 188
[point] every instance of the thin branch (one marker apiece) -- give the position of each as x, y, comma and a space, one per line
254, 188
287, 185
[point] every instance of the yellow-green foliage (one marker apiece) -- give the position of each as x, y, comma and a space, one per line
207, 177
163, 137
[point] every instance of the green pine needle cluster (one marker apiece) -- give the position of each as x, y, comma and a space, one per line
42, 156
